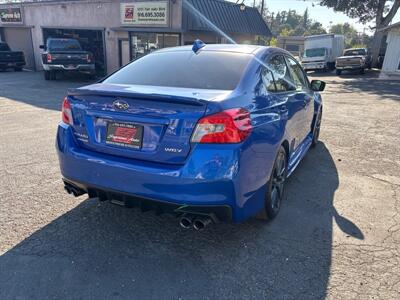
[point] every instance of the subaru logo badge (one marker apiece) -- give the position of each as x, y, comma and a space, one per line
120, 104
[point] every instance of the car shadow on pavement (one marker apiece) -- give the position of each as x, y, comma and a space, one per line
369, 83
381, 88
32, 89
101, 251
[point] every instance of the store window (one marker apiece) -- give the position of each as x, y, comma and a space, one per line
145, 43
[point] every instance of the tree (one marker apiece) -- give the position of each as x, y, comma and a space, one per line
315, 28
306, 19
379, 11
350, 33
289, 23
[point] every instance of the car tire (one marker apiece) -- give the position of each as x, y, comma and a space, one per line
47, 75
275, 187
338, 72
362, 71
317, 129
18, 69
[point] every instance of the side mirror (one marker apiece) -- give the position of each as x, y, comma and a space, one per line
42, 47
318, 85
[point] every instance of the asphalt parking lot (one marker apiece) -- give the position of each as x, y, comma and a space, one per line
337, 236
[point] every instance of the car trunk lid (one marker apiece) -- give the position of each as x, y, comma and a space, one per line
139, 122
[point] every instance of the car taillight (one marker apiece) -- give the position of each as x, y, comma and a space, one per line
229, 126
49, 58
66, 112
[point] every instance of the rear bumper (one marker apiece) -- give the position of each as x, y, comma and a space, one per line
314, 66
358, 67
209, 179
218, 212
84, 68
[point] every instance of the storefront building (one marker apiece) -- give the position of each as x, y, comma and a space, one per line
117, 32
391, 64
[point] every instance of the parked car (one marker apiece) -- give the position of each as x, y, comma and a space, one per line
321, 51
209, 133
354, 59
11, 59
66, 56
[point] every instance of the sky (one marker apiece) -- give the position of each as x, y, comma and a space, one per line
321, 14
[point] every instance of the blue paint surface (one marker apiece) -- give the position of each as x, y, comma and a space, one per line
168, 166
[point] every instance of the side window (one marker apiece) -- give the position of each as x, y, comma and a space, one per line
281, 74
268, 84
297, 74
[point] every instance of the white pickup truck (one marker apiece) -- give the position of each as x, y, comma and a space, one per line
321, 51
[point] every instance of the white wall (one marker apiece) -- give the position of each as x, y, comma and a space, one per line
392, 56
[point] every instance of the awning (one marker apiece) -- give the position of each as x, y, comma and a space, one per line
227, 16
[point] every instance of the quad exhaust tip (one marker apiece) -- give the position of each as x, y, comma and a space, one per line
73, 190
186, 221
197, 222
202, 222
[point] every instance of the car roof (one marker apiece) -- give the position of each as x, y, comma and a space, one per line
234, 48
355, 49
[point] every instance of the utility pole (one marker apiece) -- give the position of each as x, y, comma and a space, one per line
262, 8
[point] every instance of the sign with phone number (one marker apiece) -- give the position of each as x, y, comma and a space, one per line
145, 13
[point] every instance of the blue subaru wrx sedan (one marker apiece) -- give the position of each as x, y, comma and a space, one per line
209, 132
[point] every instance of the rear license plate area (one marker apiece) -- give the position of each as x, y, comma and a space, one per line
125, 135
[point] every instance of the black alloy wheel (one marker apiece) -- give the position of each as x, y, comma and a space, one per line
317, 129
275, 187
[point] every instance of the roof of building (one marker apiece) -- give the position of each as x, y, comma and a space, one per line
228, 17
395, 25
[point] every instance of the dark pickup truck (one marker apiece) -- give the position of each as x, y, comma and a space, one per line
66, 56
11, 59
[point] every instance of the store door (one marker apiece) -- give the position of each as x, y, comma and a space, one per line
123, 49
145, 43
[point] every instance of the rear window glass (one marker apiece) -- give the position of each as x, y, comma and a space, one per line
4, 47
355, 52
185, 69
63, 45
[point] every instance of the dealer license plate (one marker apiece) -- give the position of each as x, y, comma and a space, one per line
124, 134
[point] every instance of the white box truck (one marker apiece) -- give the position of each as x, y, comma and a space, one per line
321, 51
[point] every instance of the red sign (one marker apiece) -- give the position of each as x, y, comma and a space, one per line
124, 135
129, 12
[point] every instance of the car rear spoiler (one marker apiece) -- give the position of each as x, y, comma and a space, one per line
131, 94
